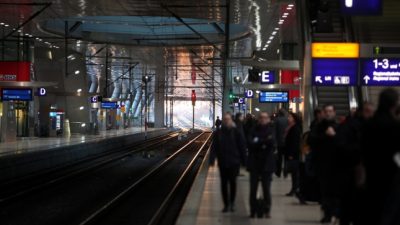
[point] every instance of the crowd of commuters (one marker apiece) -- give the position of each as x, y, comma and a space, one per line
350, 166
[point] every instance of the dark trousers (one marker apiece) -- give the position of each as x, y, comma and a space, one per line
228, 184
329, 201
279, 162
293, 169
265, 178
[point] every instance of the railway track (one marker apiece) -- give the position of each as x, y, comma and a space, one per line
104, 192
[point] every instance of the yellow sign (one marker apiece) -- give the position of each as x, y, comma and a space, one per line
335, 50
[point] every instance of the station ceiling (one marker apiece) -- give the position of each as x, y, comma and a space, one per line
133, 27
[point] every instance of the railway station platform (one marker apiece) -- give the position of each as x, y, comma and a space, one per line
34, 144
30, 156
208, 208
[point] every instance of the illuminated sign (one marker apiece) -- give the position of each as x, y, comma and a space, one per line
334, 72
335, 50
267, 77
41, 92
249, 94
273, 97
361, 7
94, 99
15, 71
109, 105
241, 100
16, 94
380, 72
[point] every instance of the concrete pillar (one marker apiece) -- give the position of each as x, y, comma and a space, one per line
159, 97
8, 123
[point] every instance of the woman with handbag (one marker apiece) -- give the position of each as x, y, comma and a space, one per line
292, 150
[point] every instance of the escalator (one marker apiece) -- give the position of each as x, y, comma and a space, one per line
329, 27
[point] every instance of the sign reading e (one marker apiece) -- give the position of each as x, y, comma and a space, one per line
267, 77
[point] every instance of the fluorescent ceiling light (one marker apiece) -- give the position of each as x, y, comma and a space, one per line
273, 33
290, 5
81, 108
77, 72
268, 42
79, 90
276, 28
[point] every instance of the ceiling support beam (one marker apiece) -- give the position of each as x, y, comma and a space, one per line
190, 27
45, 6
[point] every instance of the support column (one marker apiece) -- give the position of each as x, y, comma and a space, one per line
159, 96
226, 71
8, 123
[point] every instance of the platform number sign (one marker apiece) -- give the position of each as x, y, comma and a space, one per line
41, 91
249, 94
380, 72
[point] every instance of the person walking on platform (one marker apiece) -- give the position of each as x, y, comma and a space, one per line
228, 147
281, 124
352, 174
325, 152
218, 123
261, 163
380, 144
292, 150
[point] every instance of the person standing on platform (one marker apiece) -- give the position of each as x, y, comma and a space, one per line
379, 146
218, 123
325, 147
292, 150
261, 162
281, 124
228, 147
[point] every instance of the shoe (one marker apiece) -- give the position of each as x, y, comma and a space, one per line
225, 210
326, 219
267, 215
253, 215
290, 194
232, 208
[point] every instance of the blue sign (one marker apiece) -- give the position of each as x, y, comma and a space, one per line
249, 94
109, 105
41, 92
334, 72
267, 77
241, 100
94, 99
16, 94
380, 72
273, 97
361, 7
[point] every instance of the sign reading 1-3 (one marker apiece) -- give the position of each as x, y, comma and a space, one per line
380, 72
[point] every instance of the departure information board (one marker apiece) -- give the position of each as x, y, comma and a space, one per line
334, 72
109, 105
16, 94
273, 97
380, 72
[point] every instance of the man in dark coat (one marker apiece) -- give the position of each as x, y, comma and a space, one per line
292, 150
281, 123
218, 123
352, 172
380, 144
261, 161
325, 146
228, 146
